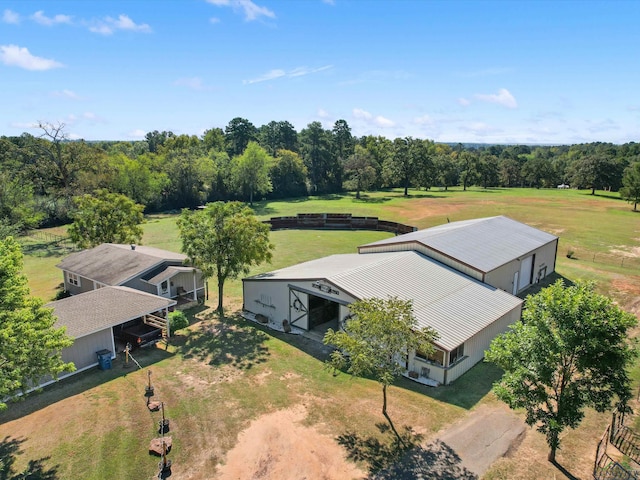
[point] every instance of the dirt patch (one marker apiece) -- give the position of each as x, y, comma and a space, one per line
277, 446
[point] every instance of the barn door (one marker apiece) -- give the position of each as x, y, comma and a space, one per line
298, 308
526, 270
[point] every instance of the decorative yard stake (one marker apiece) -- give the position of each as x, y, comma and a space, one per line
164, 423
148, 391
165, 464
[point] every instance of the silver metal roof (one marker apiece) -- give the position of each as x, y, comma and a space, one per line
455, 305
105, 307
484, 243
115, 264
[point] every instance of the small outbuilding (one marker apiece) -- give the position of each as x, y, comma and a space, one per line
462, 279
90, 320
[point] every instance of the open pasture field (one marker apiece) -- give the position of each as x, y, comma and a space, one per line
225, 381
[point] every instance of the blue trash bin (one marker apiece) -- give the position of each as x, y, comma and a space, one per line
104, 359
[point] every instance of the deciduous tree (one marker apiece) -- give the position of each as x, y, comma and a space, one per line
105, 218
224, 240
375, 340
570, 351
251, 171
30, 345
631, 185
359, 171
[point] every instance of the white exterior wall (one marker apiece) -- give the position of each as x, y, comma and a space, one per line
474, 349
503, 276
271, 298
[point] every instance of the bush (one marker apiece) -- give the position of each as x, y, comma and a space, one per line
178, 320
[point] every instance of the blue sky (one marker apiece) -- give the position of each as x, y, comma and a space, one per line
550, 72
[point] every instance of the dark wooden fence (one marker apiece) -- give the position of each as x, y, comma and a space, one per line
337, 221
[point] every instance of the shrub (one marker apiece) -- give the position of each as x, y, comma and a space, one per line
178, 320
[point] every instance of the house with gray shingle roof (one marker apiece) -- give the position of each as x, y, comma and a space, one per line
462, 279
143, 268
90, 319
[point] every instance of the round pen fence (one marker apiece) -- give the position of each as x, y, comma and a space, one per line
337, 221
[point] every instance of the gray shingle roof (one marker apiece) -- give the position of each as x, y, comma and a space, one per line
105, 307
166, 274
114, 264
484, 243
455, 305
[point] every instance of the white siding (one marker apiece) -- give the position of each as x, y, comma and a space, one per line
83, 351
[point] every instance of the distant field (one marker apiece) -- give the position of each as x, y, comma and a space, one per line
220, 375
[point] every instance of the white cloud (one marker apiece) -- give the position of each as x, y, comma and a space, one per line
480, 129
66, 94
368, 117
137, 134
26, 125
42, 19
503, 97
464, 102
194, 83
270, 75
214, 20
279, 73
10, 16
15, 56
424, 120
109, 25
322, 113
250, 10
329, 2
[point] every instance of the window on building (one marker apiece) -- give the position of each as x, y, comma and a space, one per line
456, 354
73, 279
164, 286
437, 357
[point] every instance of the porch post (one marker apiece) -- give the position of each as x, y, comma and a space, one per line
166, 316
195, 286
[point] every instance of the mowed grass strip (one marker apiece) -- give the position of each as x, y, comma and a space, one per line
221, 374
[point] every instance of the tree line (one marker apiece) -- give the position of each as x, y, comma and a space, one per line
41, 174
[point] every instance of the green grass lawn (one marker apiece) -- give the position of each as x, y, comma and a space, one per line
220, 375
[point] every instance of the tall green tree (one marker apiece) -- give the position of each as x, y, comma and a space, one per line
30, 345
359, 171
631, 185
238, 133
105, 218
276, 136
375, 340
315, 148
288, 175
251, 171
592, 171
570, 351
224, 240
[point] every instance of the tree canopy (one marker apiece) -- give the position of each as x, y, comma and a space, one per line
224, 240
105, 218
631, 185
570, 351
30, 345
375, 340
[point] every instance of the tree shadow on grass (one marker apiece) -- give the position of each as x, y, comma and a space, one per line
226, 341
35, 470
436, 461
403, 458
378, 454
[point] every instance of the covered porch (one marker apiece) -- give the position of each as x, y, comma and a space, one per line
182, 284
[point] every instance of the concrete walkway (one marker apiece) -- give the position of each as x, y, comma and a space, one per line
484, 436
464, 451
